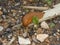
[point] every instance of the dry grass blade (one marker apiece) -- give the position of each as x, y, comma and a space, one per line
37, 8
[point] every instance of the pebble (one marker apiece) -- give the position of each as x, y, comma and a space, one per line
23, 41
58, 30
5, 24
54, 34
30, 0
0, 8
33, 43
55, 21
52, 44
17, 4
11, 41
35, 26
42, 37
9, 36
4, 17
1, 12
34, 39
31, 32
1, 43
7, 33
5, 12
39, 30
1, 28
17, 0
25, 2
44, 25
24, 13
54, 30
18, 21
25, 34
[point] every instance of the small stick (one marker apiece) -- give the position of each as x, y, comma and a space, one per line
37, 8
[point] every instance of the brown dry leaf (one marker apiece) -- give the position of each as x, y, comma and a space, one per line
27, 19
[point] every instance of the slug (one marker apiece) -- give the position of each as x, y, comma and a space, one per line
27, 19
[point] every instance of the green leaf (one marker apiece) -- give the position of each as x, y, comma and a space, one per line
35, 20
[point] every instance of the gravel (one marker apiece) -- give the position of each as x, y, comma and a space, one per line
11, 27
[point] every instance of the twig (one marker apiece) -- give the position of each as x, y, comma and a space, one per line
37, 8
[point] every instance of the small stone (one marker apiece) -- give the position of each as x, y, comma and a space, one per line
5, 24
52, 43
34, 39
9, 36
18, 21
58, 44
17, 4
44, 25
11, 41
23, 13
30, 0
54, 30
1, 12
0, 8
23, 41
5, 12
25, 34
55, 21
58, 30
25, 2
33, 43
42, 37
1, 28
17, 0
39, 31
35, 26
3, 16
19, 11
31, 32
54, 34
1, 43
